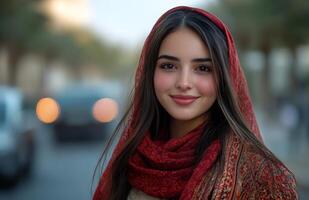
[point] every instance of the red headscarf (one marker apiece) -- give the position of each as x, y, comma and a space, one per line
218, 184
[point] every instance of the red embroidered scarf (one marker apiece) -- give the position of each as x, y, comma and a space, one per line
163, 168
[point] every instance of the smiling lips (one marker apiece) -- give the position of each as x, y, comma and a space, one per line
183, 99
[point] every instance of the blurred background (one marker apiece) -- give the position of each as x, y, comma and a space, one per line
67, 68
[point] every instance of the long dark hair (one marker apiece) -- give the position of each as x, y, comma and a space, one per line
225, 115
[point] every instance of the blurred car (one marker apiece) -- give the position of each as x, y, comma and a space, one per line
16, 139
76, 106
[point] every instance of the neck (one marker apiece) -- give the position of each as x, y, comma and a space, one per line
179, 128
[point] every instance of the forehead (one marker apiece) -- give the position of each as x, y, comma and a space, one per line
184, 43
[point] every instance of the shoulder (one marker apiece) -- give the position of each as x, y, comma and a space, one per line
262, 177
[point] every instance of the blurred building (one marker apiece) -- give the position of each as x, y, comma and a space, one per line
281, 60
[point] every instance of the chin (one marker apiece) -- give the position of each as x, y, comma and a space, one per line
182, 117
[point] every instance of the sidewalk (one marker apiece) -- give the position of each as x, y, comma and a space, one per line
292, 152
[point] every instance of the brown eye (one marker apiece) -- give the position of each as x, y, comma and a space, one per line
167, 66
203, 68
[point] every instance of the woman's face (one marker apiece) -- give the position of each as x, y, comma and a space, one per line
184, 78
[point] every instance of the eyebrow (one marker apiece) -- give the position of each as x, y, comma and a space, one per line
177, 59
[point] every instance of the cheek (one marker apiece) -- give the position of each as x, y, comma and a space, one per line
162, 81
206, 87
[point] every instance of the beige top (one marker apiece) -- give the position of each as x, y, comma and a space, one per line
139, 195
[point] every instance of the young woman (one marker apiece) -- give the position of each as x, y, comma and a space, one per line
191, 132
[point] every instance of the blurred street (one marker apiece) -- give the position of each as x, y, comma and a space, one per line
61, 171
64, 171
66, 61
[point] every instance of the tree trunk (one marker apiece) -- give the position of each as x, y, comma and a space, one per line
294, 81
14, 54
266, 96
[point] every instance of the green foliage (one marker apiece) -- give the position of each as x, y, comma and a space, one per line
262, 22
19, 22
25, 28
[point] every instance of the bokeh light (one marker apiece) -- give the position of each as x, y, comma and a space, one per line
47, 110
105, 110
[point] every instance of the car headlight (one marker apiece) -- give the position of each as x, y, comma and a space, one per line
47, 110
105, 110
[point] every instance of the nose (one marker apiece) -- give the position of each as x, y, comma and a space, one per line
184, 81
